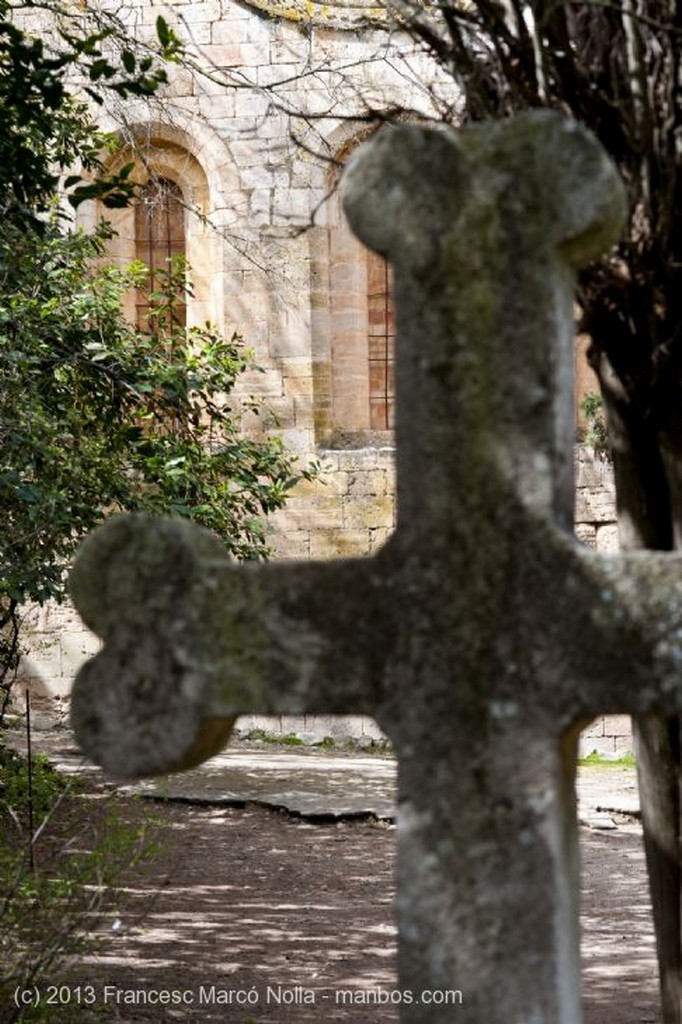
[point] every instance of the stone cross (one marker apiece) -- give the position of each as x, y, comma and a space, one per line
482, 635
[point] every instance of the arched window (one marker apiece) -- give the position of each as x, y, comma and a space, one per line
353, 338
168, 218
353, 332
159, 237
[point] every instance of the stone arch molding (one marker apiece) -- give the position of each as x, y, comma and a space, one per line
175, 125
343, 15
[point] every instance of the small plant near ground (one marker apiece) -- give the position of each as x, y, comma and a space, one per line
595, 433
259, 736
24, 782
60, 870
290, 739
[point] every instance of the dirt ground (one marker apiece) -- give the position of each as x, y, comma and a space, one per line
250, 916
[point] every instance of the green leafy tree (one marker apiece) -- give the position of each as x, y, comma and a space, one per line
48, 138
97, 416
45, 129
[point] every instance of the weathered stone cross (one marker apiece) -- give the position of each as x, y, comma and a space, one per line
482, 635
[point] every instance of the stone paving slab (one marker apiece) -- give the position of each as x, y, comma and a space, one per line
606, 794
337, 785
321, 784
311, 784
317, 784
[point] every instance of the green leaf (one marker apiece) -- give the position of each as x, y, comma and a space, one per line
163, 31
129, 61
100, 68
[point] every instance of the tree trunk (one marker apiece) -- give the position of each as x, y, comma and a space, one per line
646, 517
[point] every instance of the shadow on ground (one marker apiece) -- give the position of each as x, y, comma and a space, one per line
252, 917
619, 965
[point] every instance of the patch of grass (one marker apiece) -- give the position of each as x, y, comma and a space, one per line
596, 760
378, 748
290, 739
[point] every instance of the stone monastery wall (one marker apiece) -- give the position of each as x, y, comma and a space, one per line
254, 145
323, 517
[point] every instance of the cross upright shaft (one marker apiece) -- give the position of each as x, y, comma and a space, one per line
481, 633
485, 230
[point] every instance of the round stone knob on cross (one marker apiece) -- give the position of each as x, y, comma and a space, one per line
482, 634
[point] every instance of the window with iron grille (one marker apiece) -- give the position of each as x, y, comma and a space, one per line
381, 343
159, 237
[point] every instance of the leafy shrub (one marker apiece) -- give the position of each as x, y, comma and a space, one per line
595, 433
98, 417
57, 882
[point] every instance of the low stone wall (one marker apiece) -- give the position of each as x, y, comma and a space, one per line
349, 510
609, 736
60, 643
595, 501
360, 730
595, 525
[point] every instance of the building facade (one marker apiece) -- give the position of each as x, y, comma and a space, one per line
238, 162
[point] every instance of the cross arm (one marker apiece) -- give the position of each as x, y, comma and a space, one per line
640, 595
607, 635
192, 640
